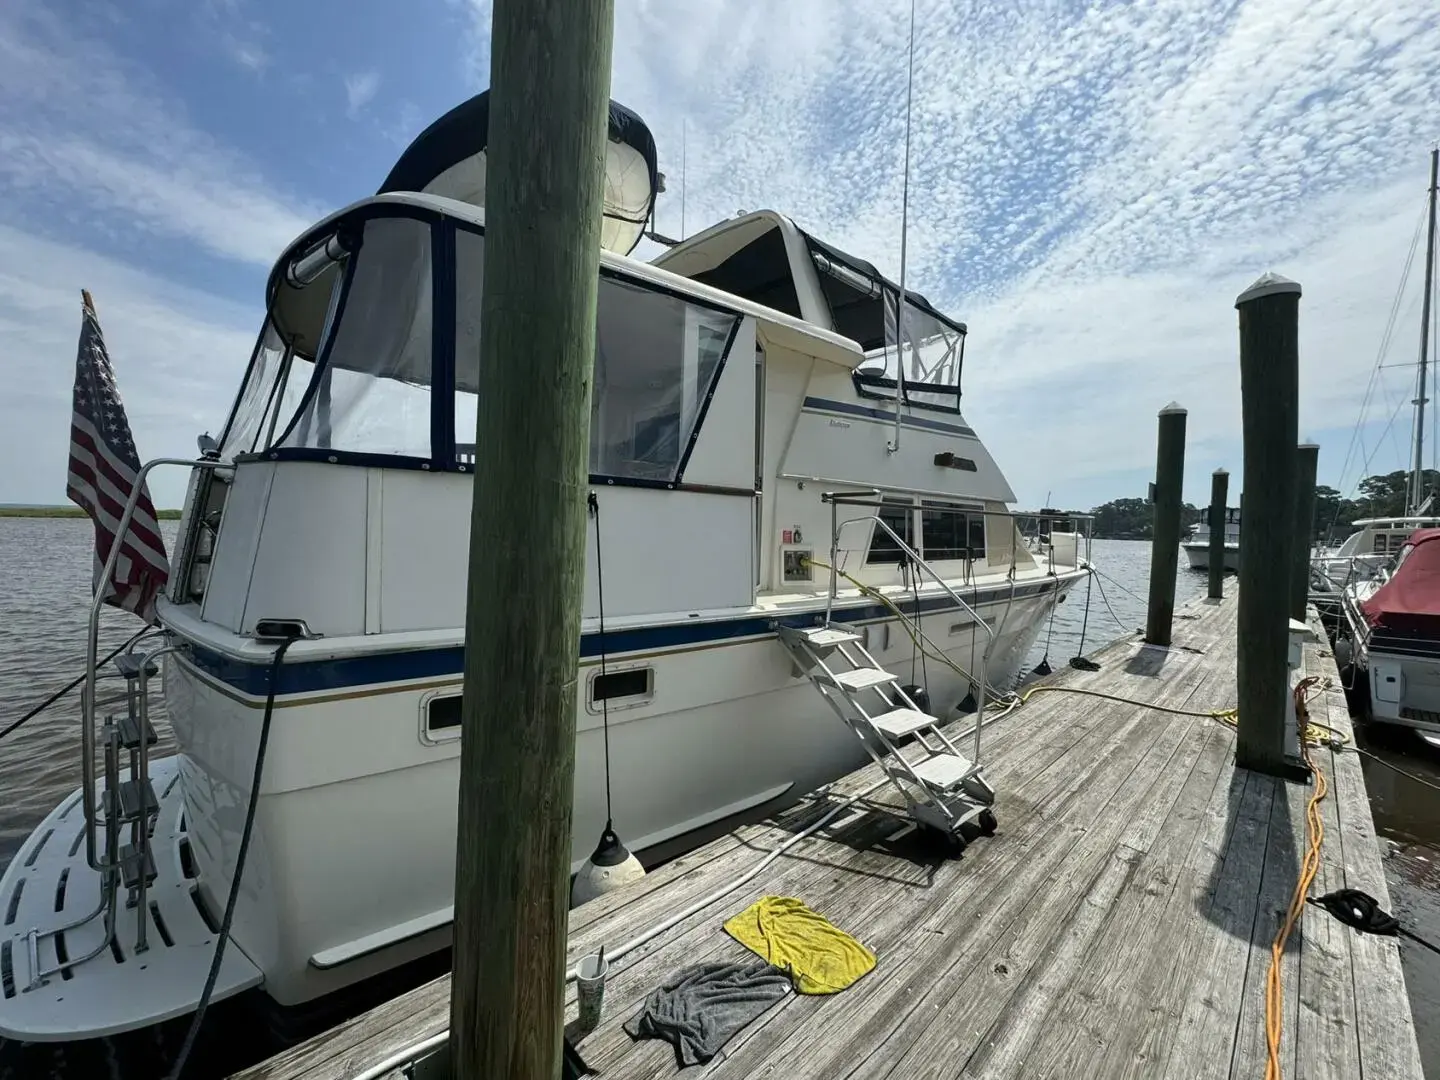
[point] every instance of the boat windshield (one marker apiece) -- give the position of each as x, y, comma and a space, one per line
924, 349
391, 383
372, 394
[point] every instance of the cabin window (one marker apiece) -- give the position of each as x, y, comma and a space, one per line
621, 689
656, 359
373, 395
900, 516
442, 716
257, 396
951, 531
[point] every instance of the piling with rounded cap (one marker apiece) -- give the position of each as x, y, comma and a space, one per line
1269, 399
1165, 533
1219, 497
1307, 459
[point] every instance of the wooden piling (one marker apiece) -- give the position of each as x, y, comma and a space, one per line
1165, 534
549, 102
1269, 393
1307, 460
1219, 495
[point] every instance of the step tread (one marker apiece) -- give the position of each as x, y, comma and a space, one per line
130, 665
900, 722
825, 636
128, 728
862, 678
130, 866
132, 793
943, 771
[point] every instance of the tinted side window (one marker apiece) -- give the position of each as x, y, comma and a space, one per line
899, 515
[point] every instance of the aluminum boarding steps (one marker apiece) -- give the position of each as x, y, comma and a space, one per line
943, 789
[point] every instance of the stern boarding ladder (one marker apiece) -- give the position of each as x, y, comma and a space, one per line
944, 791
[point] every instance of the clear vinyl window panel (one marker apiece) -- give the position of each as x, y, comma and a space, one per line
256, 404
656, 359
865, 308
373, 394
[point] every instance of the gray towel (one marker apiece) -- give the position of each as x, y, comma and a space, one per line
699, 1008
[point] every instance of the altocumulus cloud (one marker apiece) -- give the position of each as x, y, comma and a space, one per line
1091, 186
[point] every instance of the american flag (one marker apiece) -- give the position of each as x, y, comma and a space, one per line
103, 469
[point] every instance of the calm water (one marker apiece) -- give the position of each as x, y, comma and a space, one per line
44, 611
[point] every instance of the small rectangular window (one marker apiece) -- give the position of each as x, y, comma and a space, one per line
442, 716
622, 685
899, 515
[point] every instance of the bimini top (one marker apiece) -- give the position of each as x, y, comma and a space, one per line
1409, 603
448, 159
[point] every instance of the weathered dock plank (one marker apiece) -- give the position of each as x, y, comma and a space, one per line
1118, 925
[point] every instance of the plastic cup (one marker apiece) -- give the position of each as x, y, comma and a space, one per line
590, 982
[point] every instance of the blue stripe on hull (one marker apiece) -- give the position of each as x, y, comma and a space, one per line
319, 676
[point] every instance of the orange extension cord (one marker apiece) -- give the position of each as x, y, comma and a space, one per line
1315, 830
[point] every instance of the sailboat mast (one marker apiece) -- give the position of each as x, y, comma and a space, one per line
1418, 490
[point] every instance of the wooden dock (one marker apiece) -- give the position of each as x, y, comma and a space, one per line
1118, 925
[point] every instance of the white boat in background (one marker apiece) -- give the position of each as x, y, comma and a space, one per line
1372, 547
749, 372
1197, 545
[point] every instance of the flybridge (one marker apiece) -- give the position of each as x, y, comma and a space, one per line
767, 258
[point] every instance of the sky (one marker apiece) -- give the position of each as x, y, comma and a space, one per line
1091, 187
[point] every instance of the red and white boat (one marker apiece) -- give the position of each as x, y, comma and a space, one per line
1394, 625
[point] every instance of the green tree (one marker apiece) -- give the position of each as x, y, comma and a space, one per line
1333, 514
1386, 495
1124, 519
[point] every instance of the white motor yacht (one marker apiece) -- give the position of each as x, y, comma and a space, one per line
1372, 547
740, 379
1197, 545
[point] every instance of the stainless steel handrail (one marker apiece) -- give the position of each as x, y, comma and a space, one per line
92, 641
836, 499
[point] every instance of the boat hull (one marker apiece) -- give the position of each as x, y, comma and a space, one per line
350, 868
353, 855
1198, 554
1401, 673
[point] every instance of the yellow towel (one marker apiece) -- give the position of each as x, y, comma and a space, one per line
820, 958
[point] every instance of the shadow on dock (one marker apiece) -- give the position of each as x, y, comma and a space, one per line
1252, 879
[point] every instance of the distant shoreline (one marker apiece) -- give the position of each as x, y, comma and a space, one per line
67, 512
